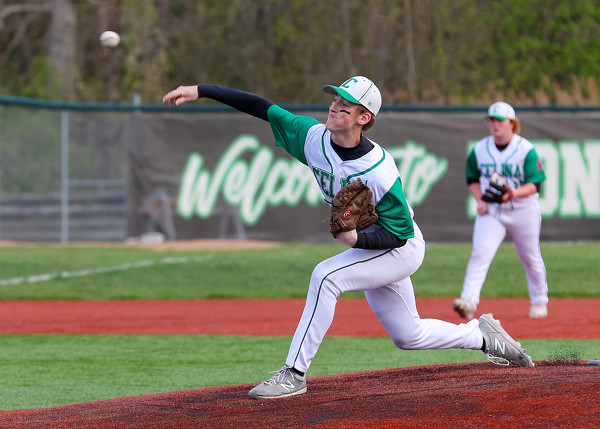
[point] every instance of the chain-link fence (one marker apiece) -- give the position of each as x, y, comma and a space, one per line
62, 173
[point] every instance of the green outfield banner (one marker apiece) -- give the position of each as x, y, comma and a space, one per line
199, 175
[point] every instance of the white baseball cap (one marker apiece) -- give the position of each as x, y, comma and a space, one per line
358, 90
501, 110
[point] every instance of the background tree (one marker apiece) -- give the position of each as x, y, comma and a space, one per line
418, 51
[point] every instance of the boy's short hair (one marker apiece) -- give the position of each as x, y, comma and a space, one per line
362, 109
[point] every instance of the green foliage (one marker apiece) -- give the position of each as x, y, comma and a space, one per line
36, 85
536, 36
461, 51
145, 61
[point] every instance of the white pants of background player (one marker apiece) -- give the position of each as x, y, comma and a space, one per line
523, 224
384, 276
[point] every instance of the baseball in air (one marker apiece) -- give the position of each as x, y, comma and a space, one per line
110, 39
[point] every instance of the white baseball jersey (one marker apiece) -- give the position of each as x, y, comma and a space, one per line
384, 275
518, 164
309, 141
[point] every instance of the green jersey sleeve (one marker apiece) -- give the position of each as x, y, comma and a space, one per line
394, 214
290, 131
472, 172
533, 168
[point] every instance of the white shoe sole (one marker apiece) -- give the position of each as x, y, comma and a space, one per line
461, 307
258, 396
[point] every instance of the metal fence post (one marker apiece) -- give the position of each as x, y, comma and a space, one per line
64, 174
0, 172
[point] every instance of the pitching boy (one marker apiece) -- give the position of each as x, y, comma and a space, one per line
381, 258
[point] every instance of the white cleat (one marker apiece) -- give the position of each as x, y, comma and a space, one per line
500, 348
285, 383
466, 309
538, 311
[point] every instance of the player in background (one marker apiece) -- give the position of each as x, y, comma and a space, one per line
515, 158
380, 259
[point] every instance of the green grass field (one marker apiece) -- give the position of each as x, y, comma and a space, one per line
48, 370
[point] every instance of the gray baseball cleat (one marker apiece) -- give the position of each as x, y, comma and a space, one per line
285, 383
500, 348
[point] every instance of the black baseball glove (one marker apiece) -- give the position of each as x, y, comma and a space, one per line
498, 188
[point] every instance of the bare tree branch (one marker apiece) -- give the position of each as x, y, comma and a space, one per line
19, 34
20, 8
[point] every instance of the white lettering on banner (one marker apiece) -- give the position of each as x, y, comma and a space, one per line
581, 167
251, 185
248, 176
549, 196
572, 185
419, 170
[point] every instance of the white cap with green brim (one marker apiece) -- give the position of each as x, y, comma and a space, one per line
501, 110
358, 90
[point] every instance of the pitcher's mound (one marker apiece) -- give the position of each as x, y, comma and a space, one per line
456, 395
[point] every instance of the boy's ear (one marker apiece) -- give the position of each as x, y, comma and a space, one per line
364, 118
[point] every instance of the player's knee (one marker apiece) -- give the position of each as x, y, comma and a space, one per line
317, 277
407, 341
405, 344
482, 254
322, 281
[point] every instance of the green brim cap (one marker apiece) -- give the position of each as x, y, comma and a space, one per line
501, 110
358, 90
342, 92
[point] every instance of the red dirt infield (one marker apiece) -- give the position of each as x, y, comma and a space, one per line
553, 394
568, 318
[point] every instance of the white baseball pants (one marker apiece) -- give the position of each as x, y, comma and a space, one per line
384, 276
523, 224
